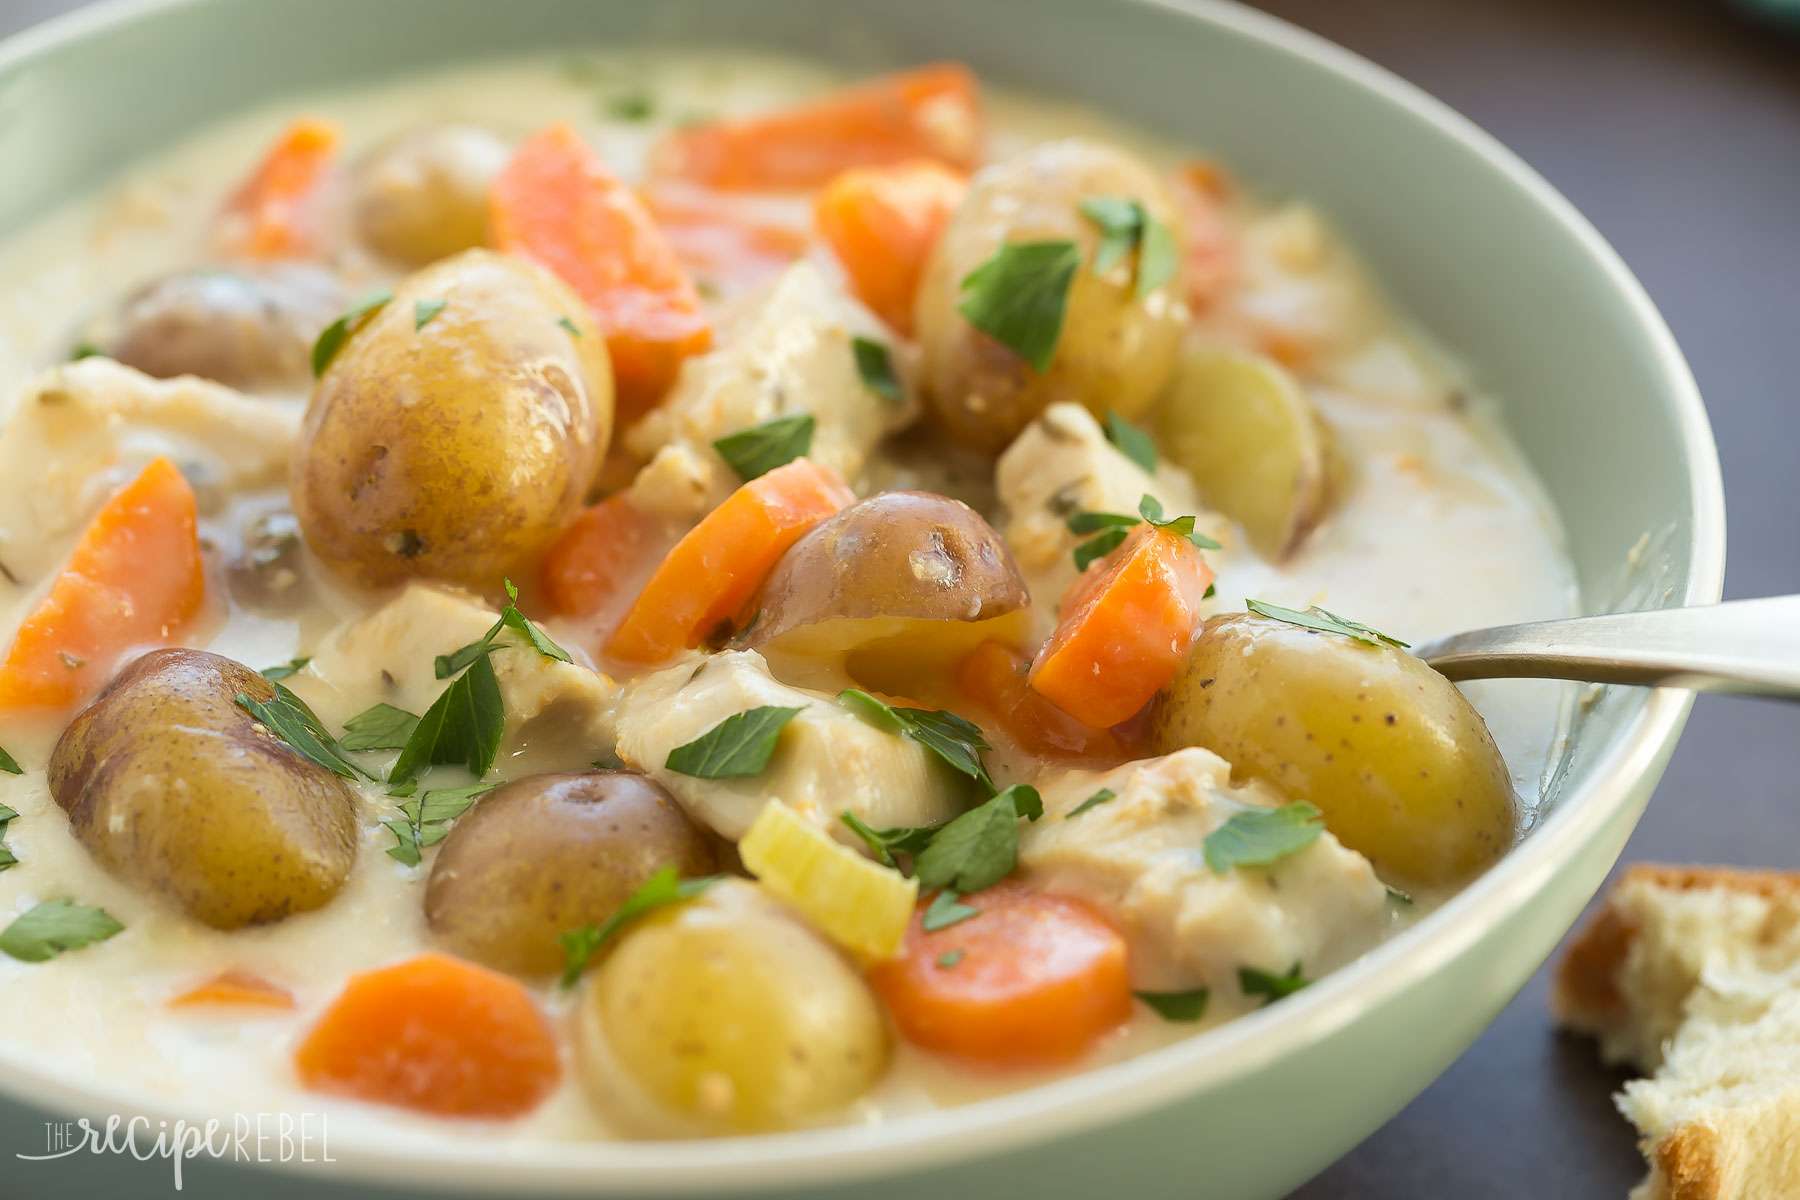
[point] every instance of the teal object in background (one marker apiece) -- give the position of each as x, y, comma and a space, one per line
1462, 235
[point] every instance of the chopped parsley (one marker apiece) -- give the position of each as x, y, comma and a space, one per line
663, 887
952, 738
1018, 297
1131, 441
876, 367
1324, 622
286, 670
427, 819
463, 725
979, 848
7, 857
737, 747
1125, 226
9, 764
332, 338
637, 105
288, 718
1257, 837
424, 310
1098, 798
761, 448
946, 909
47, 929
885, 843
382, 727
1271, 987
1111, 529
510, 618
574, 330
949, 958
1176, 1006
84, 349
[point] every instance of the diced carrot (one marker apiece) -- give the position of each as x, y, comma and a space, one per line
1034, 979
557, 203
1126, 627
993, 676
932, 111
607, 547
275, 213
436, 1034
731, 242
235, 987
882, 223
1202, 190
135, 578
709, 578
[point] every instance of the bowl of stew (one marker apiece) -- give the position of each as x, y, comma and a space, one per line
793, 597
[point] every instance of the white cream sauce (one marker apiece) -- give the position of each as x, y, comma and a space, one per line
1443, 529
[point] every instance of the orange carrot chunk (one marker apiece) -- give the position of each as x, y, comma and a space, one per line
1032, 980
730, 242
1201, 193
709, 578
275, 213
557, 203
932, 111
993, 676
602, 550
435, 1034
1126, 627
235, 987
135, 578
882, 223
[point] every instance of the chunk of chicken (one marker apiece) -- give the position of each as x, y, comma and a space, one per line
1139, 859
1062, 464
828, 759
78, 431
787, 351
563, 710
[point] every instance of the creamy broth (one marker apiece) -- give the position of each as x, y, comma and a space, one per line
1442, 529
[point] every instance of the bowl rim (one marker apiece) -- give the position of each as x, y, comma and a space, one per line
1117, 1091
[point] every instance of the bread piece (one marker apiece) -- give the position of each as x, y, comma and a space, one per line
1693, 973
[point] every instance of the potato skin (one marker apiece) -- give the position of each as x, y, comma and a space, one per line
424, 196
1116, 350
1399, 761
455, 451
549, 853
171, 785
726, 1015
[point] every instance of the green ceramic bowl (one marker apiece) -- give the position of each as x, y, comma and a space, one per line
1506, 272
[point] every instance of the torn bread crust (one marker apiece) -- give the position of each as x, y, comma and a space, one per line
1693, 973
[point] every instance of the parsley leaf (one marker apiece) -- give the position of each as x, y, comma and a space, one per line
1115, 527
1156, 256
1018, 297
979, 848
1176, 1006
1256, 837
9, 764
574, 330
631, 106
953, 739
1098, 798
288, 718
949, 958
424, 310
84, 349
1125, 225
511, 618
1271, 987
761, 448
462, 725
1131, 441
428, 818
286, 670
46, 930
332, 338
876, 367
1325, 622
7, 857
739, 746
382, 727
1151, 509
885, 843
1099, 547
946, 909
663, 887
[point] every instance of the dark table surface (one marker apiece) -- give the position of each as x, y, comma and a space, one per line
1675, 126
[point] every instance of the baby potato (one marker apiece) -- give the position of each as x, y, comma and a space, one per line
452, 445
424, 196
907, 578
171, 785
726, 1015
1252, 440
1116, 349
549, 853
1398, 760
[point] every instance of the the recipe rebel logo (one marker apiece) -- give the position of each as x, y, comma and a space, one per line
247, 1138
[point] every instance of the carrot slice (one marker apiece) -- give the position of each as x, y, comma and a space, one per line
557, 203
1201, 192
436, 1034
882, 223
1033, 979
708, 579
932, 111
1126, 626
727, 241
235, 987
605, 547
135, 577
275, 214
993, 676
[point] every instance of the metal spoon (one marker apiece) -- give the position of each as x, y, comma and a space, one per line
1745, 646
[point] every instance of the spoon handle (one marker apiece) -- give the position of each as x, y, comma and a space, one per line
1747, 646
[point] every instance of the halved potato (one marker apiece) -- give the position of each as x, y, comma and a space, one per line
897, 587
1253, 442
